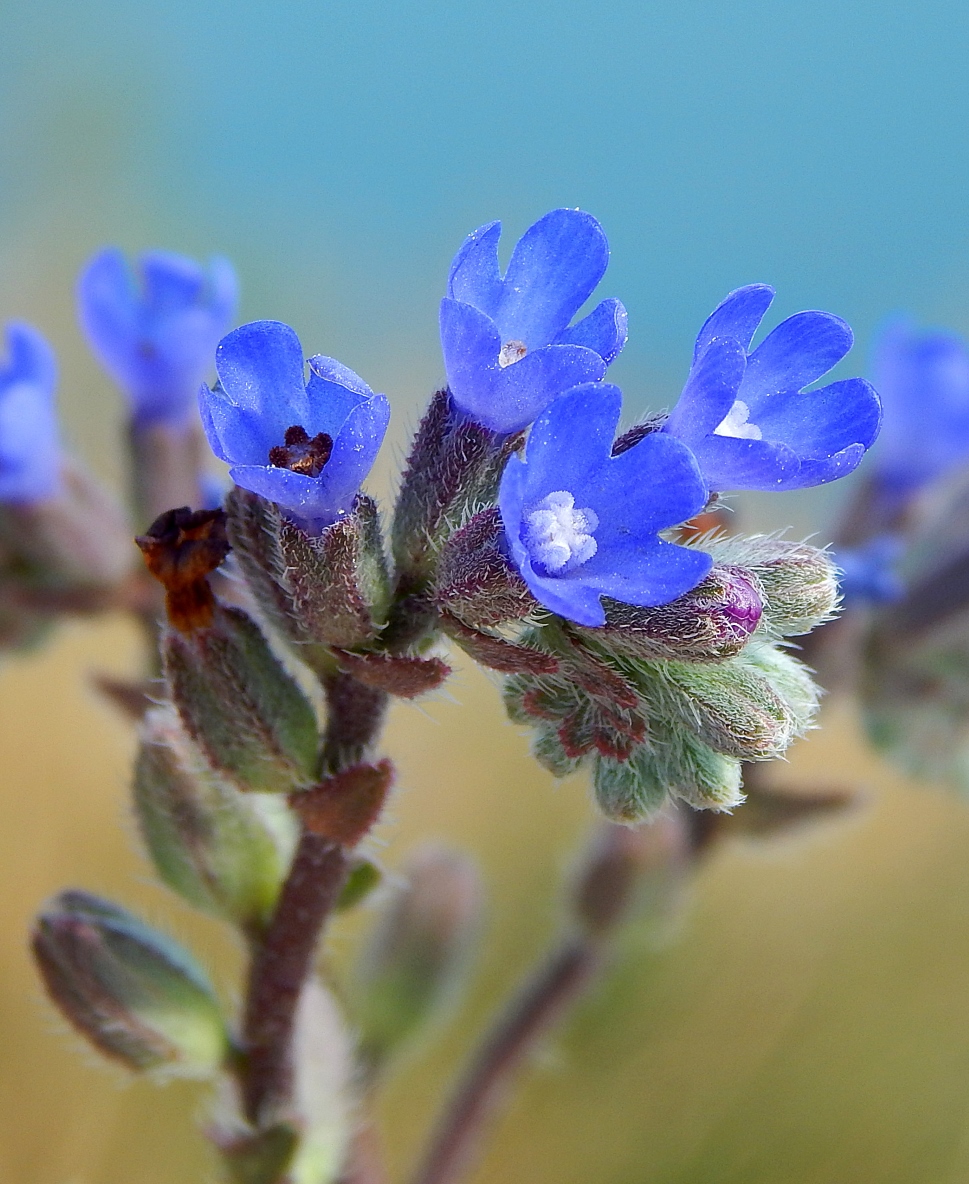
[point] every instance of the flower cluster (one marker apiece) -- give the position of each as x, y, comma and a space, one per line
529, 530
537, 539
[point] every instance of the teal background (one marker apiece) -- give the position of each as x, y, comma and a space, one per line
339, 151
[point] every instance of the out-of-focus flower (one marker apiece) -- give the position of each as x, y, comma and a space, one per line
746, 414
306, 446
508, 346
923, 379
581, 523
868, 572
30, 451
155, 332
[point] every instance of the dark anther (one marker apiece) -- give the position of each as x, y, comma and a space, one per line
302, 454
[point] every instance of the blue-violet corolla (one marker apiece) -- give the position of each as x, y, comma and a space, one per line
508, 346
305, 445
30, 451
746, 415
581, 523
155, 333
923, 379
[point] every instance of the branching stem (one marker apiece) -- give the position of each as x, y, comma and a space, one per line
538, 1005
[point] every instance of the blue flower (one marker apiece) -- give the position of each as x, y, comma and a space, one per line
923, 379
30, 451
305, 445
581, 523
746, 415
868, 573
508, 346
155, 335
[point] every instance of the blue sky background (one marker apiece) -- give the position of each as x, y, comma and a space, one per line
338, 152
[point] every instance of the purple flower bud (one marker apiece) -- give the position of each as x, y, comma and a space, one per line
711, 622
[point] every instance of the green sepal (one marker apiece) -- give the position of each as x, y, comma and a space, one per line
225, 852
244, 711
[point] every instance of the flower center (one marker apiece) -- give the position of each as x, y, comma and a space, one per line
300, 453
558, 536
512, 351
735, 424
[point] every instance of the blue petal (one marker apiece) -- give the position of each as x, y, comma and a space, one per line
235, 435
603, 330
730, 463
820, 472
820, 423
710, 390
511, 497
475, 277
572, 599
471, 343
260, 366
108, 313
652, 486
355, 449
798, 352
524, 389
31, 358
303, 495
554, 269
651, 572
30, 455
572, 440
172, 282
737, 316
332, 393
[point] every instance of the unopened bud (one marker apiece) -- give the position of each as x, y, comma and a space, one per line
317, 591
66, 553
455, 465
681, 766
224, 851
135, 994
239, 705
417, 951
735, 707
475, 581
799, 581
709, 624
621, 863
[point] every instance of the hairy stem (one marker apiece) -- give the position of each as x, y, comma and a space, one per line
283, 960
281, 966
540, 1002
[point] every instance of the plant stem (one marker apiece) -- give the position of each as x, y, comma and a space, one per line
283, 961
281, 966
540, 1002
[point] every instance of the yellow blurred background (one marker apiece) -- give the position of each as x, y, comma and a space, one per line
806, 1021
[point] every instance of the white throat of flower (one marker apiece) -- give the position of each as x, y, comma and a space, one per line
735, 423
511, 352
558, 536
